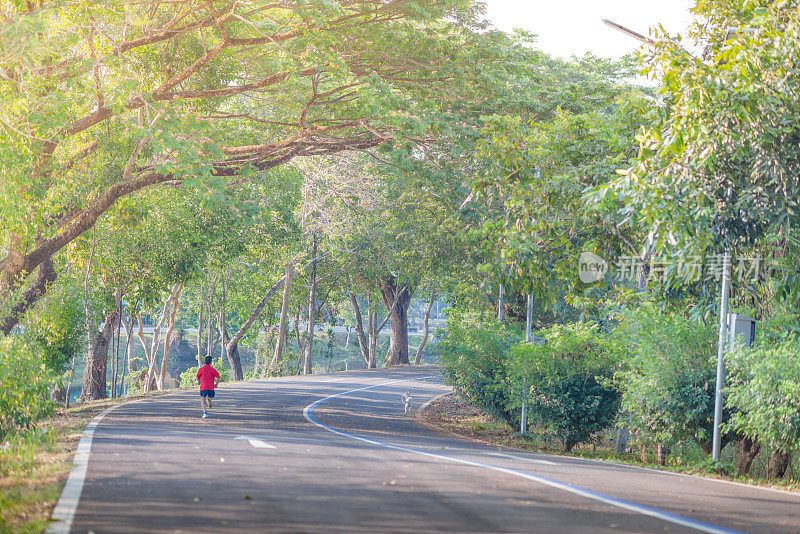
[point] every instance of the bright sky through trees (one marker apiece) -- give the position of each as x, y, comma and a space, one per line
573, 27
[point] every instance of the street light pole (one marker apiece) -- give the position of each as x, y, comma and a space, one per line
723, 328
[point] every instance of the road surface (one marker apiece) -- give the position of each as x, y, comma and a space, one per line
334, 453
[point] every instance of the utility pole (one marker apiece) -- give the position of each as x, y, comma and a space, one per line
501, 294
529, 319
723, 328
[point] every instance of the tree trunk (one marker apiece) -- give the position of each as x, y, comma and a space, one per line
200, 335
777, 464
426, 330
746, 452
298, 337
312, 307
282, 322
94, 374
261, 372
396, 301
362, 340
372, 360
129, 353
177, 289
155, 343
232, 355
44, 277
232, 345
210, 340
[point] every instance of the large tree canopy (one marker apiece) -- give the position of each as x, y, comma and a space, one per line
98, 100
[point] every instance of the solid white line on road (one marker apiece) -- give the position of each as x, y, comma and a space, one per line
521, 458
64, 512
257, 443
333, 380
308, 413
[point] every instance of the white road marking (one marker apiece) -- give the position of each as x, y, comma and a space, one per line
308, 413
520, 458
64, 512
333, 380
257, 443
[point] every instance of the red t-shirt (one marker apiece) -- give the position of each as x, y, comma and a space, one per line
206, 375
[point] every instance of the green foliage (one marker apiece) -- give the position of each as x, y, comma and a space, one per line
668, 385
764, 392
718, 164
56, 325
188, 378
566, 381
473, 355
25, 381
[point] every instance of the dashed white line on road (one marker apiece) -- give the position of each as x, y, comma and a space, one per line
522, 459
257, 443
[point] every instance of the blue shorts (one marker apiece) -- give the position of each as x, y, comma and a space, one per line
207, 393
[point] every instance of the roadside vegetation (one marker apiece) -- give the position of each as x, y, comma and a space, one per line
241, 180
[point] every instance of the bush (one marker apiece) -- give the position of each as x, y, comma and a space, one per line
188, 378
473, 354
566, 382
669, 385
25, 382
764, 393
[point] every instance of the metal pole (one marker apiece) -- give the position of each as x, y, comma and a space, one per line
523, 422
723, 325
529, 319
500, 304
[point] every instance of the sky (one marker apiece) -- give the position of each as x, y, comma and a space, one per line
573, 27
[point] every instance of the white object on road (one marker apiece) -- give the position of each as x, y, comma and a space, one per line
257, 443
407, 398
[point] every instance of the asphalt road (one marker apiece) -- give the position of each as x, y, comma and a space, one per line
334, 453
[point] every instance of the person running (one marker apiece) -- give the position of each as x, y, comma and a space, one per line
209, 379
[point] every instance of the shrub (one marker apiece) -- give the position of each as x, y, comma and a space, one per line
25, 382
566, 382
473, 353
669, 384
188, 378
764, 393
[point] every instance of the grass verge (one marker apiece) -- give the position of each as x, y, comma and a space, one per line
454, 415
35, 463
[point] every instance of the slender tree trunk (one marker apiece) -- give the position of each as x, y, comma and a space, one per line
210, 341
362, 340
177, 289
128, 351
298, 337
396, 301
155, 343
200, 334
312, 307
426, 330
233, 354
282, 321
94, 374
114, 374
373, 335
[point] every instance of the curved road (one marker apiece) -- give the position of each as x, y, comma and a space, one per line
334, 453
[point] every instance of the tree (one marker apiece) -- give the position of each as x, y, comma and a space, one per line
718, 167
103, 100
